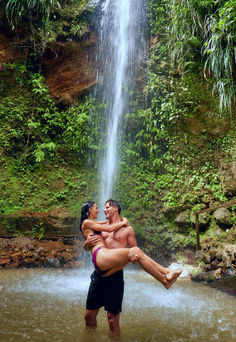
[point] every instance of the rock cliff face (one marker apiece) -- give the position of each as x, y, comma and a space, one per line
68, 64
55, 223
69, 69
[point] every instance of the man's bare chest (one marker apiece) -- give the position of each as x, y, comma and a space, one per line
116, 239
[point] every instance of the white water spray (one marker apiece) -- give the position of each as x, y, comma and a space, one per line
121, 50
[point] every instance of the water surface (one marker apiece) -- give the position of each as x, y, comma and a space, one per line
47, 305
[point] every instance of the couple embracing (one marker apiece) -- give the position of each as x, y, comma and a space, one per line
108, 242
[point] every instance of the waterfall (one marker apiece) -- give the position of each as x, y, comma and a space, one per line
120, 53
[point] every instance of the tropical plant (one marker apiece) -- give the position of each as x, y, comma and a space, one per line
32, 10
205, 31
220, 49
33, 18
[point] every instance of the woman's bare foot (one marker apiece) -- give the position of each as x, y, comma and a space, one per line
171, 277
173, 274
170, 283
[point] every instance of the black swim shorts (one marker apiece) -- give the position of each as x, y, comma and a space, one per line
107, 292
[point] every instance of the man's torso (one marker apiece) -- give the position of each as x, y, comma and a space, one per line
118, 239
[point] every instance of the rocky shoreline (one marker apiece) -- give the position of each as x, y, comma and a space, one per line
217, 266
27, 252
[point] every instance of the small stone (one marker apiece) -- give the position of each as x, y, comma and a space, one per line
53, 253
51, 261
214, 264
3, 255
217, 273
207, 268
5, 261
198, 254
215, 244
16, 256
229, 272
212, 254
206, 258
41, 252
35, 256
15, 264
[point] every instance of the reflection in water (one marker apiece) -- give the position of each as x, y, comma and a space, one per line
48, 305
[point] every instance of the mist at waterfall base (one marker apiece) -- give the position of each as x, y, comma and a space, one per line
48, 305
121, 50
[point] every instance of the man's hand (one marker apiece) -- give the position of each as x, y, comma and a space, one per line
91, 241
133, 257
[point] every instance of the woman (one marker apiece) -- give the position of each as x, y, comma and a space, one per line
108, 261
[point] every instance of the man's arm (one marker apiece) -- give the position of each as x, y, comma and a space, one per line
131, 238
132, 243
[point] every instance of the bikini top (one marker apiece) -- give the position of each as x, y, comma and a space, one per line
95, 232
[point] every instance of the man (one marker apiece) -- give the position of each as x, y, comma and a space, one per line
108, 291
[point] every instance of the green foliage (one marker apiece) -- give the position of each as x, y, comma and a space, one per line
204, 31
11, 227
40, 22
50, 185
36, 231
220, 50
159, 145
32, 10
29, 124
34, 129
76, 133
157, 17
44, 149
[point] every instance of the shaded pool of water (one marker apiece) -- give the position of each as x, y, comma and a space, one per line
48, 305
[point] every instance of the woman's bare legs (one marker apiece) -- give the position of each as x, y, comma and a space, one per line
119, 257
164, 275
170, 274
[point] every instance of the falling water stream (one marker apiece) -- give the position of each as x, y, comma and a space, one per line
121, 50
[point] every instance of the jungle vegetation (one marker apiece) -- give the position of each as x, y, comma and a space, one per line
190, 80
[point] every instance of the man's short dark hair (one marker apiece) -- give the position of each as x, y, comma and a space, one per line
114, 203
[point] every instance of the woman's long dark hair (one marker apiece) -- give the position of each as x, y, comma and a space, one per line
85, 212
